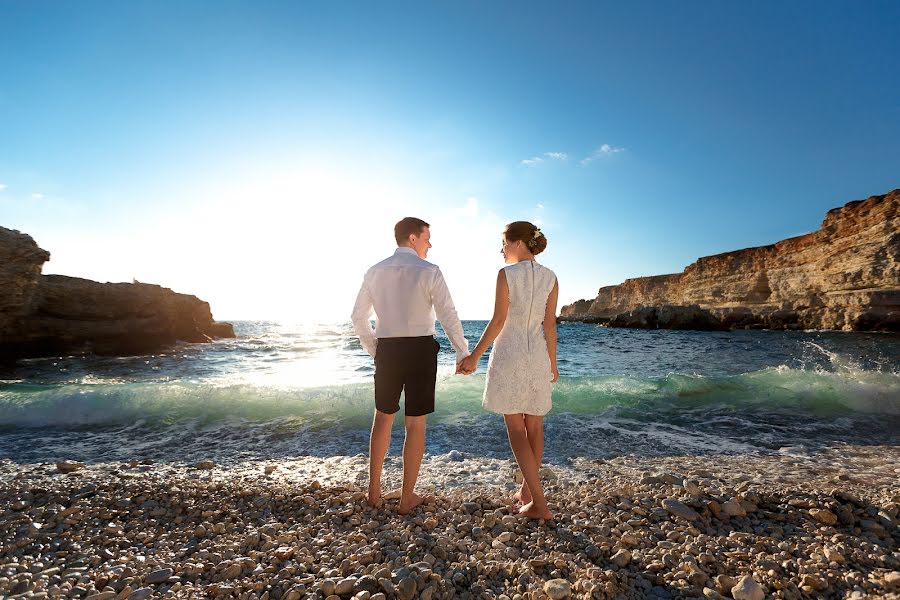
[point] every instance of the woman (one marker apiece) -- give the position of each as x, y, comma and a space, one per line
523, 362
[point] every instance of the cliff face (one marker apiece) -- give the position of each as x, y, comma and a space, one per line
20, 268
844, 276
42, 315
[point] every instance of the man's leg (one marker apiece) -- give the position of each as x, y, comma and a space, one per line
420, 382
413, 449
379, 442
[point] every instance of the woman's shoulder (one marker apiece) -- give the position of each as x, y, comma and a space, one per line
548, 270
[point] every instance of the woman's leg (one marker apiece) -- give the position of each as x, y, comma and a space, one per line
534, 427
518, 441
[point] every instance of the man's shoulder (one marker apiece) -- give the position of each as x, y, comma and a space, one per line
403, 260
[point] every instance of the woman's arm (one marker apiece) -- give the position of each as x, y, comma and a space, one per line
550, 328
501, 310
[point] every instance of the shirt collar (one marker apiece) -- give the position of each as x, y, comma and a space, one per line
405, 250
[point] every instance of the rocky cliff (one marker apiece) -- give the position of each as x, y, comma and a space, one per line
42, 315
844, 276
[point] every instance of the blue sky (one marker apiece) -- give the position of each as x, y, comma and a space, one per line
257, 153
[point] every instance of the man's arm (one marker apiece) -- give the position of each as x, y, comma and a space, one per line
362, 310
446, 314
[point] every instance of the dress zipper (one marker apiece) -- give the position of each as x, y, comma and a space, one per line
530, 307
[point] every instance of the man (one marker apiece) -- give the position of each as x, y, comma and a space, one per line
406, 292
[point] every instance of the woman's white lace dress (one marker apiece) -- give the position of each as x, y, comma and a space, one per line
518, 375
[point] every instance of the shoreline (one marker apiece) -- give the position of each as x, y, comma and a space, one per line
822, 525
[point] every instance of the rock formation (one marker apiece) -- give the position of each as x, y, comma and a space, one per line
43, 315
844, 276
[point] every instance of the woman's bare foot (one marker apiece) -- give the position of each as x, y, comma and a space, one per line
374, 500
416, 500
534, 512
523, 496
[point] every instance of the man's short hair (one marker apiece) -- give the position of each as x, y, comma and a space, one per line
406, 227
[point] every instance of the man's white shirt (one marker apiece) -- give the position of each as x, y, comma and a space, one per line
406, 294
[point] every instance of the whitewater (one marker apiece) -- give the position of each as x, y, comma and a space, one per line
285, 390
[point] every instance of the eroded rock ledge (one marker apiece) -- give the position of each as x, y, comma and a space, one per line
844, 276
43, 315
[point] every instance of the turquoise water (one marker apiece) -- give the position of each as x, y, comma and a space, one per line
285, 389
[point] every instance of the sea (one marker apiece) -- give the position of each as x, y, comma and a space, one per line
283, 390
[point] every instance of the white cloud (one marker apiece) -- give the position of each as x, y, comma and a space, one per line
540, 206
37, 196
536, 160
603, 150
2, 186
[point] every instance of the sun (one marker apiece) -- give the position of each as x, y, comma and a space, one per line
284, 243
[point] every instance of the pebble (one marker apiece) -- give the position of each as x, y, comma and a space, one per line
892, 580
557, 589
691, 487
159, 576
236, 533
833, 555
621, 558
823, 515
747, 589
406, 588
344, 586
679, 509
68, 466
733, 508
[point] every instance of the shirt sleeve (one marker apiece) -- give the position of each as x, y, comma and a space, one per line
362, 310
446, 314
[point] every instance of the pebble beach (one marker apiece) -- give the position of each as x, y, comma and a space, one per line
748, 527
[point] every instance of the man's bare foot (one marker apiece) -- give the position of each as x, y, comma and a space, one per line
407, 507
374, 500
523, 496
534, 512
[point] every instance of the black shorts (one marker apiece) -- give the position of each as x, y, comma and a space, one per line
408, 363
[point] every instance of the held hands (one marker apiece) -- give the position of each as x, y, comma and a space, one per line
467, 365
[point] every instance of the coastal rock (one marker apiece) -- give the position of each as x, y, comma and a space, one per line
44, 315
843, 276
21, 261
